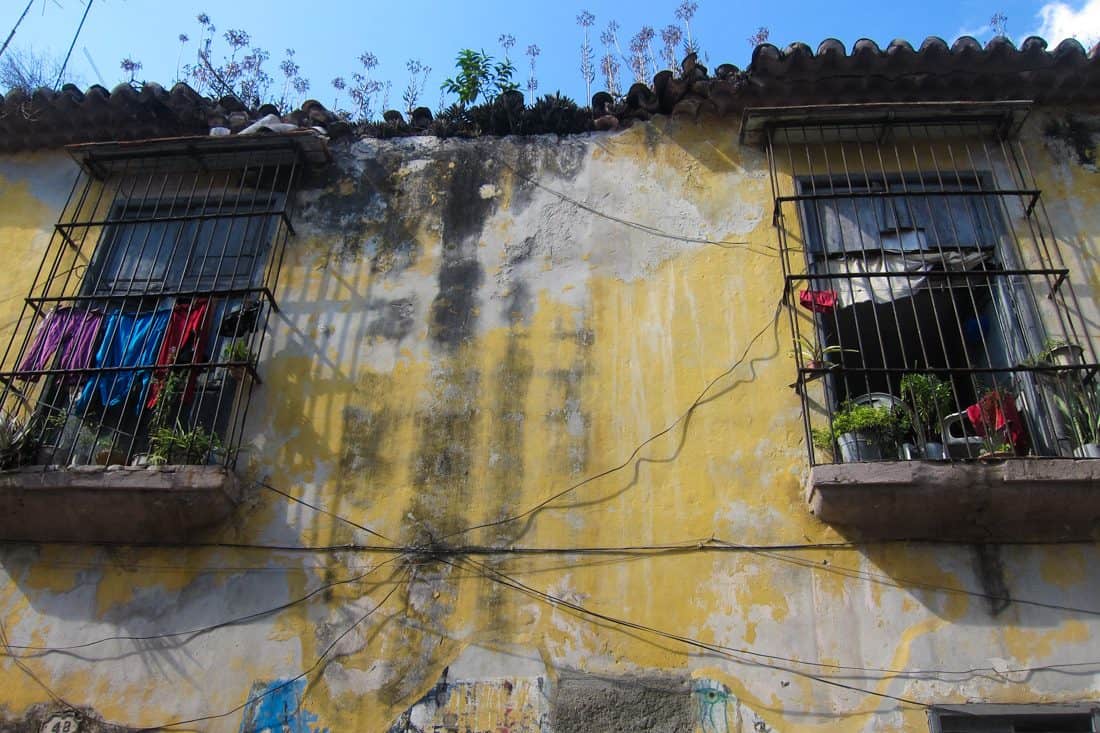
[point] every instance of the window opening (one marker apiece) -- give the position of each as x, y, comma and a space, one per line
1014, 719
926, 292
139, 337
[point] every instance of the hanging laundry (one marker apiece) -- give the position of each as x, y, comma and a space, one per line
129, 340
186, 336
66, 331
818, 301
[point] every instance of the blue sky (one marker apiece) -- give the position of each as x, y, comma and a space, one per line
329, 36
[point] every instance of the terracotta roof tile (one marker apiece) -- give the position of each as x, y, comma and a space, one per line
795, 75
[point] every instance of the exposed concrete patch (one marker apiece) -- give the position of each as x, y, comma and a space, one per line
592, 704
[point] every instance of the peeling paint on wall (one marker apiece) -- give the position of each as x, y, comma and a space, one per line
278, 707
468, 328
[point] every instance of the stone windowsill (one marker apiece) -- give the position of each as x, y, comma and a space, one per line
115, 503
1018, 499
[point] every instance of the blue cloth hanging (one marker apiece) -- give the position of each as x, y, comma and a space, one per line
129, 340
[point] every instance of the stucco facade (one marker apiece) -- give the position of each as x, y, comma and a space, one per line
468, 329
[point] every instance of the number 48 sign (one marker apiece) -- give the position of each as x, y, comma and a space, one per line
61, 724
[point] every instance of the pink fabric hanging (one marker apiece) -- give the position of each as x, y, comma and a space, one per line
818, 301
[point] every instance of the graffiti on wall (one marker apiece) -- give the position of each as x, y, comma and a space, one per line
514, 705
719, 711
276, 707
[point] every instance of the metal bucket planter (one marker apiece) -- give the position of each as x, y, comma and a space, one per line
1088, 450
855, 447
1067, 355
934, 451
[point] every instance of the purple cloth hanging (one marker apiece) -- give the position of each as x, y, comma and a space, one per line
68, 331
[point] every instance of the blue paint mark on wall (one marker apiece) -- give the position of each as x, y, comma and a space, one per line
276, 707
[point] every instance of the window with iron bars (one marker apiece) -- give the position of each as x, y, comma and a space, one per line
994, 718
139, 337
929, 302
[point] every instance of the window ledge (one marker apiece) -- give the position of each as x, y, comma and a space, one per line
161, 504
1014, 500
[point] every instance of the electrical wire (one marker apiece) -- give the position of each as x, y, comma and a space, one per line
29, 673
905, 583
633, 454
322, 510
769, 251
72, 45
892, 672
710, 544
16, 27
501, 578
43, 650
272, 690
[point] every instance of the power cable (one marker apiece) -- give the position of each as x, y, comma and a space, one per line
29, 673
905, 583
489, 572
272, 690
73, 44
650, 550
43, 650
322, 510
633, 454
654, 231
16, 27
686, 640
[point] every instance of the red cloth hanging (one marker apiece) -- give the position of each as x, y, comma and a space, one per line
996, 411
818, 301
187, 326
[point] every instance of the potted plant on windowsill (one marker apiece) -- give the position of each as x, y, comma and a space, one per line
1060, 352
863, 432
816, 357
928, 399
1056, 353
997, 422
182, 446
237, 351
19, 443
1079, 405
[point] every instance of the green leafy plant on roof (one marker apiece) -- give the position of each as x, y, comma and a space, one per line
479, 76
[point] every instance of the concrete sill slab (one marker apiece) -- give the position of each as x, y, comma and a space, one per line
114, 504
1014, 500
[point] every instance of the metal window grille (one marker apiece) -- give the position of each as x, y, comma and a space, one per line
927, 294
139, 336
1024, 718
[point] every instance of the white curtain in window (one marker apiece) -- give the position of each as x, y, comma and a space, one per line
852, 290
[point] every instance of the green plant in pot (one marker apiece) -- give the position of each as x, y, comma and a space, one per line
928, 399
1060, 352
182, 446
237, 351
817, 357
863, 432
19, 443
1079, 405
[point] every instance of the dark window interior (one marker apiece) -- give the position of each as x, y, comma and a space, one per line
1035, 723
194, 252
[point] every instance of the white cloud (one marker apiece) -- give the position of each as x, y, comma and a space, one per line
979, 32
1059, 20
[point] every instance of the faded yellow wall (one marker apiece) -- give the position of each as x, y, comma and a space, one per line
467, 329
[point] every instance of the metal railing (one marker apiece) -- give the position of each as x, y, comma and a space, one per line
139, 337
928, 299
